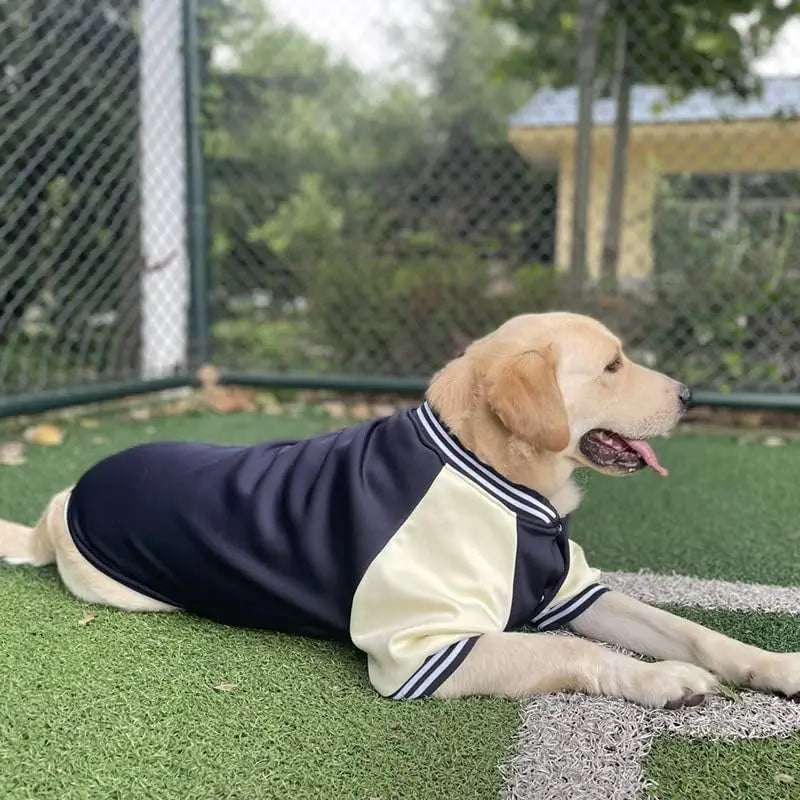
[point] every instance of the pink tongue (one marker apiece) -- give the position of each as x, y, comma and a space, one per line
648, 454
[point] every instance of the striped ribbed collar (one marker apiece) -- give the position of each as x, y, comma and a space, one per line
518, 498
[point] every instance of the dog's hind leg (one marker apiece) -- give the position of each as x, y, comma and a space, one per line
50, 541
20, 544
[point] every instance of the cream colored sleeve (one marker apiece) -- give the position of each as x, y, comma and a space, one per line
435, 587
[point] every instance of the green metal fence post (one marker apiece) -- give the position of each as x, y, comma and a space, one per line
89, 393
200, 333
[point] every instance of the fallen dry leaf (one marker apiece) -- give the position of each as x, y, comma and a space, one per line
45, 434
86, 618
12, 454
140, 414
383, 409
361, 411
225, 687
224, 399
335, 409
782, 777
181, 406
208, 375
730, 693
229, 399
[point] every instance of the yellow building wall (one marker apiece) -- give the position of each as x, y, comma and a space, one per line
739, 146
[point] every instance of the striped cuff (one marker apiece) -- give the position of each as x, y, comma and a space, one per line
435, 670
561, 614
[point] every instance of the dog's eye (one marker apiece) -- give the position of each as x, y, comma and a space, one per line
614, 366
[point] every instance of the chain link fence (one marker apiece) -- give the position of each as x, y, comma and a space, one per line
386, 181
93, 267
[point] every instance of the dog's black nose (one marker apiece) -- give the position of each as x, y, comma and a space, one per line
684, 396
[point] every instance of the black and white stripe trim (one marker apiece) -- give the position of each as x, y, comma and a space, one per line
511, 495
562, 613
435, 670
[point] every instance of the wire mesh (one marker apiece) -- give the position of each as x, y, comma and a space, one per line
388, 181
89, 291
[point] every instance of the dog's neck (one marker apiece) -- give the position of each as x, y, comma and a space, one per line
549, 474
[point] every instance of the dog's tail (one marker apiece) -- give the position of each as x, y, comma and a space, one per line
22, 545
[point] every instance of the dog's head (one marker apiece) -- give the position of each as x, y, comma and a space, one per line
557, 387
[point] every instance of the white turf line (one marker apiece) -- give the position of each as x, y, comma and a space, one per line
575, 747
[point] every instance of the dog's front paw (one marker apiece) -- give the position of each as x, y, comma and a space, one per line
667, 684
776, 672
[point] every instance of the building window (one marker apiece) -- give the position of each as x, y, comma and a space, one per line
703, 214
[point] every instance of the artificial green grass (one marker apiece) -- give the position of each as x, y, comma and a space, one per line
125, 706
727, 510
704, 769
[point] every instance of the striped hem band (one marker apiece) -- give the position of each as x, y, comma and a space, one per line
435, 670
561, 614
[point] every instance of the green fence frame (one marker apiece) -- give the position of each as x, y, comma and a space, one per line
376, 384
199, 318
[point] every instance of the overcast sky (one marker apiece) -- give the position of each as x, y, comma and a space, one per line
357, 29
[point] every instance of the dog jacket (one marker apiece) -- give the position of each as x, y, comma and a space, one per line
390, 534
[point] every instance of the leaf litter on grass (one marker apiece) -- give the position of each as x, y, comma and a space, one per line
12, 454
45, 434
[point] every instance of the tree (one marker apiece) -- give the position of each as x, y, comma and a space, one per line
452, 52
468, 184
589, 20
681, 46
298, 143
304, 150
385, 204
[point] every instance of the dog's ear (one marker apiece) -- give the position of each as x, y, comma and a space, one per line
524, 394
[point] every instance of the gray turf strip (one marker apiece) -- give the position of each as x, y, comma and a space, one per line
572, 746
702, 593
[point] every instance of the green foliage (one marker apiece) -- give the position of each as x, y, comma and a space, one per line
296, 142
727, 298
398, 312
44, 349
351, 193
303, 148
727, 332
307, 216
410, 309
258, 342
675, 44
457, 53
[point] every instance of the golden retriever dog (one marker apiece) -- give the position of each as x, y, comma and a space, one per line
427, 538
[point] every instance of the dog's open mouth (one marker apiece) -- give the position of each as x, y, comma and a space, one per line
612, 451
